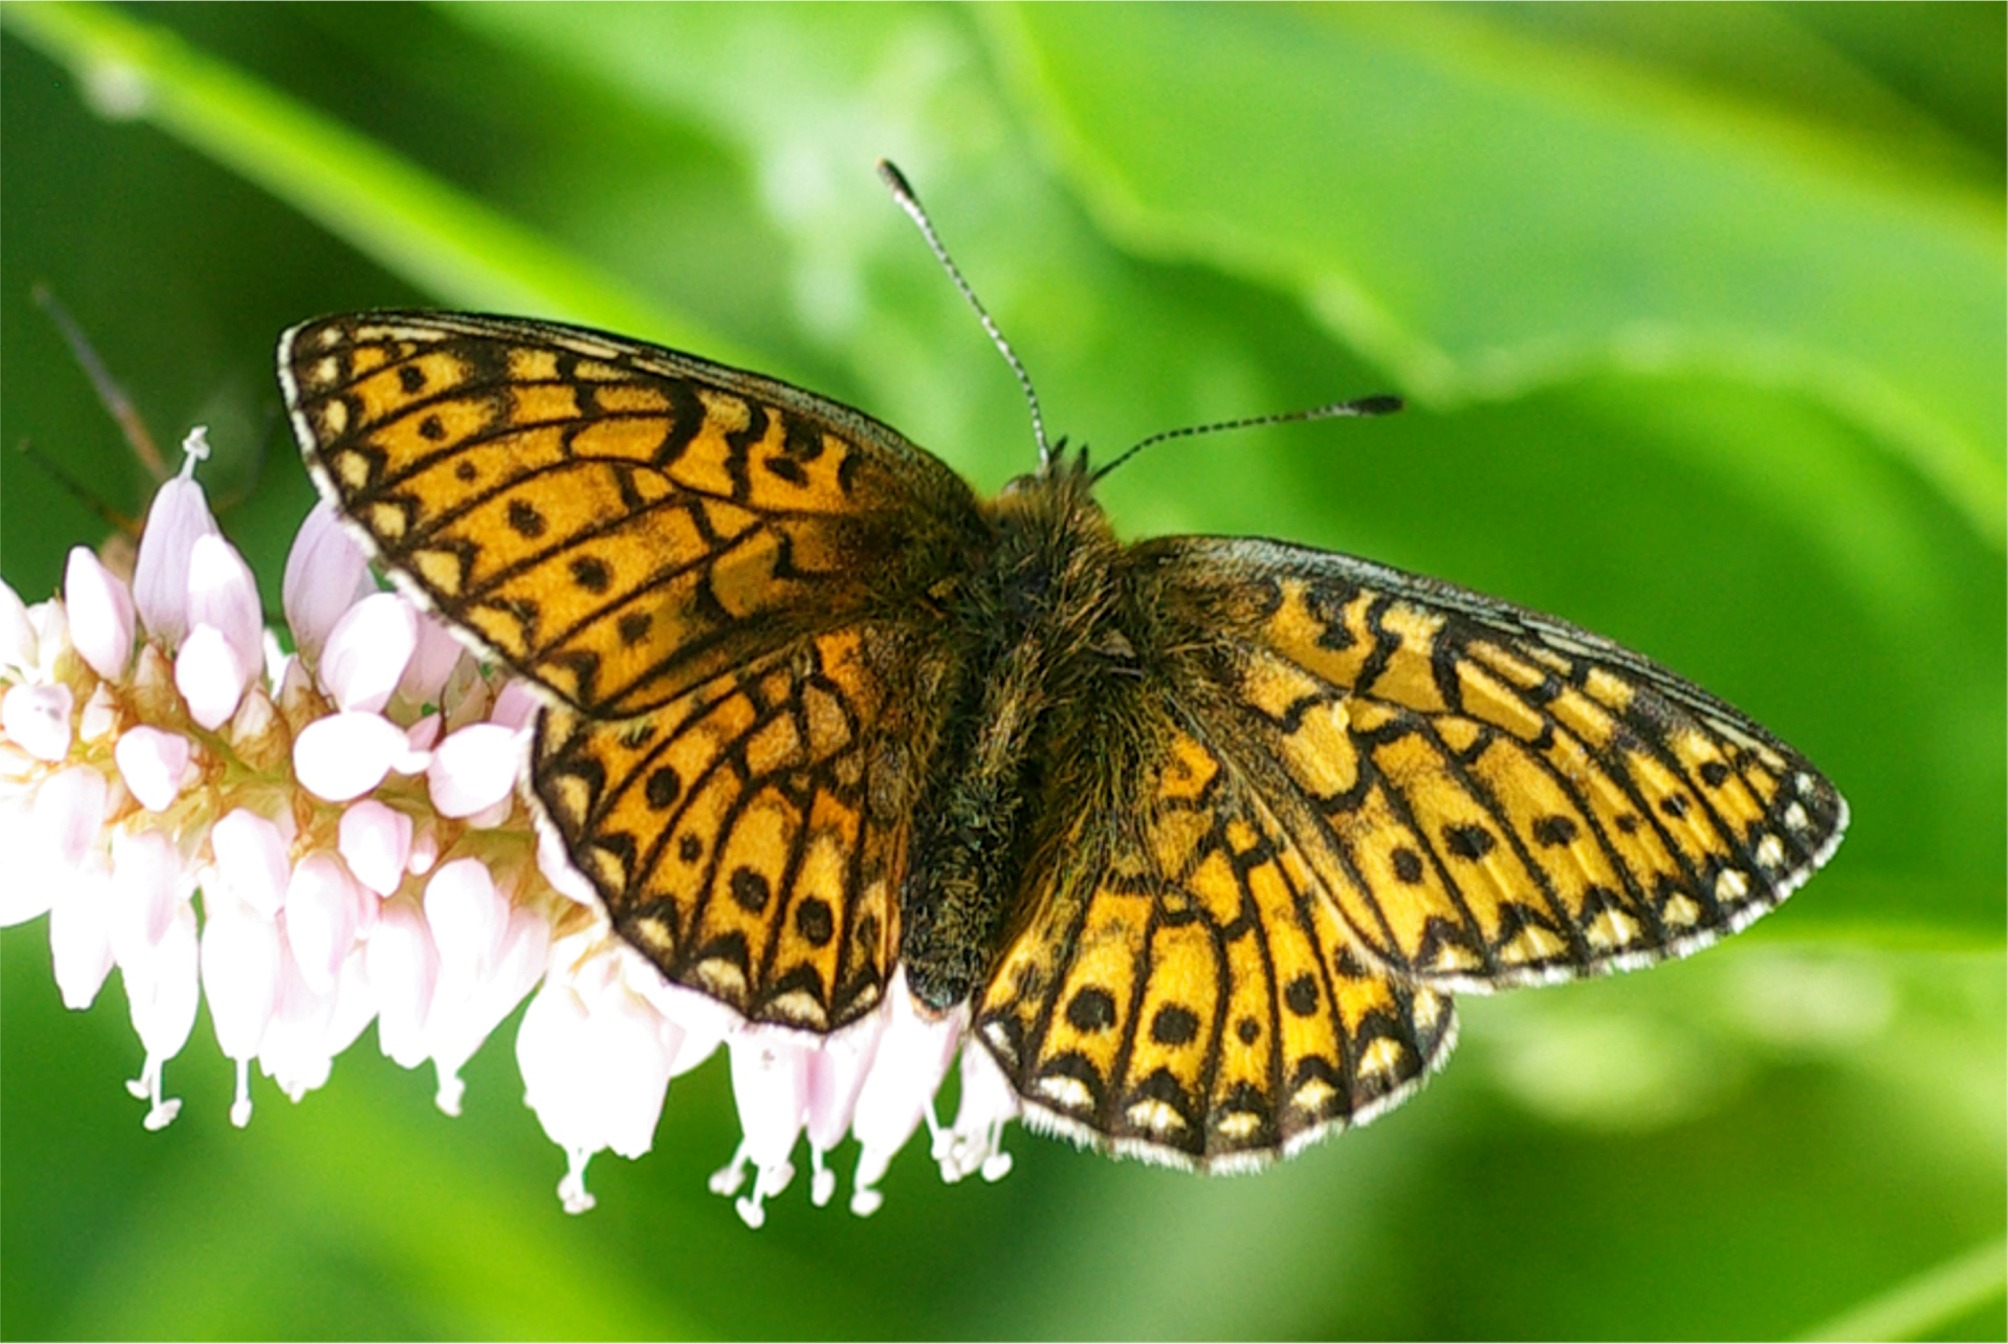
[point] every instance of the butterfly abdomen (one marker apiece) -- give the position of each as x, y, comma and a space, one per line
1039, 614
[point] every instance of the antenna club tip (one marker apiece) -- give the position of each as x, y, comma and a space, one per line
890, 174
1383, 404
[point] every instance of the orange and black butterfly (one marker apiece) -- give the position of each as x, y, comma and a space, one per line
1207, 831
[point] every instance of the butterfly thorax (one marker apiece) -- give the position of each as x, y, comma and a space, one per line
1041, 616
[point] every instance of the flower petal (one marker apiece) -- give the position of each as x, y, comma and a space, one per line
31, 888
293, 1051
252, 865
463, 1013
837, 1075
974, 1143
145, 874
432, 662
770, 1083
515, 705
101, 613
80, 935
898, 1092
595, 1067
323, 916
154, 765
241, 960
468, 916
474, 768
179, 515
404, 968
557, 869
162, 993
222, 593
211, 675
69, 811
367, 651
50, 837
376, 843
326, 574
38, 719
17, 633
344, 756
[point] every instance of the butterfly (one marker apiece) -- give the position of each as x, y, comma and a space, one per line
1205, 832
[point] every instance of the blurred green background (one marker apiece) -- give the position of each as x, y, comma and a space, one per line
1700, 313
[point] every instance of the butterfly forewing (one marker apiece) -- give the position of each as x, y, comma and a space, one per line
680, 555
615, 521
1489, 796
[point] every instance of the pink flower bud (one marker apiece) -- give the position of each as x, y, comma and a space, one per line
898, 1092
424, 735
376, 843
344, 756
424, 851
154, 765
211, 676
438, 650
222, 593
161, 994
100, 716
404, 968
17, 633
252, 865
101, 613
770, 1082
473, 769
37, 718
69, 809
595, 1069
324, 912
367, 651
145, 874
241, 960
80, 935
515, 706
179, 515
326, 574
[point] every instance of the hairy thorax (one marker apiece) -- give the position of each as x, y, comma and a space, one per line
1043, 619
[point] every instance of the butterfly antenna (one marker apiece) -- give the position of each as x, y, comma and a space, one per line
902, 191
1363, 406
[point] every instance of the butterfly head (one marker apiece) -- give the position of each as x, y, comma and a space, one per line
1060, 465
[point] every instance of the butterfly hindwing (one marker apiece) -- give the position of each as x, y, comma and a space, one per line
1490, 796
1180, 988
750, 837
616, 521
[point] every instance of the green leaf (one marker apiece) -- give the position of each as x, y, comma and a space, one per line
1486, 211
